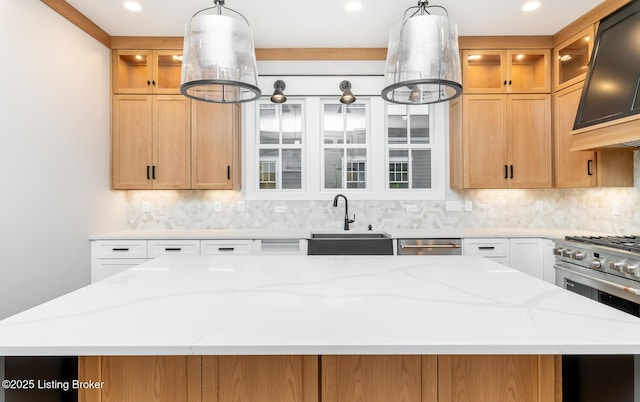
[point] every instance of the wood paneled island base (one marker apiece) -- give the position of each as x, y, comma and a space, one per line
326, 378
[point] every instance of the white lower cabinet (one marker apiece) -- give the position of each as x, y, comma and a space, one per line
496, 249
216, 247
525, 254
109, 257
548, 261
173, 247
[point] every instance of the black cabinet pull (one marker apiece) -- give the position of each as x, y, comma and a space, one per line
148, 82
589, 166
228, 172
486, 248
509, 82
226, 248
504, 83
173, 249
153, 172
120, 249
153, 82
148, 173
506, 171
511, 169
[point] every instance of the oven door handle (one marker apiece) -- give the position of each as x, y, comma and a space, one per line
430, 246
603, 281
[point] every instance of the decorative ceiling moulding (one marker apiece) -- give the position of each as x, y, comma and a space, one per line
596, 14
80, 20
321, 54
505, 42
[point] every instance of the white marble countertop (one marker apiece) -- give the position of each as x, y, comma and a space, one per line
320, 305
305, 234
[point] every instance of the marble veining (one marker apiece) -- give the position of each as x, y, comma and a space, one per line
320, 305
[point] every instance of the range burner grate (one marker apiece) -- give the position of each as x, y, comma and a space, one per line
628, 243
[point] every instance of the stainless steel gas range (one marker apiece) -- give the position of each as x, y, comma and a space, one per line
605, 269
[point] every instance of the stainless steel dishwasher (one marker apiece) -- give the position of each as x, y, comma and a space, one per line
430, 246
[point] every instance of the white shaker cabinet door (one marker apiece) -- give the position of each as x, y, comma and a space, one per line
527, 255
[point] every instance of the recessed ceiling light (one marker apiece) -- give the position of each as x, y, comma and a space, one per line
353, 6
132, 6
530, 6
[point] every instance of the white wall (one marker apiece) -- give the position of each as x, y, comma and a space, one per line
54, 154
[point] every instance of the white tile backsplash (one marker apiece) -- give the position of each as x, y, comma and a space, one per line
571, 209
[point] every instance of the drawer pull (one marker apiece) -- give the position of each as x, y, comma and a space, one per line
226, 248
120, 249
486, 248
173, 249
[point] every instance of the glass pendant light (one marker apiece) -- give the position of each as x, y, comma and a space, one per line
219, 61
423, 61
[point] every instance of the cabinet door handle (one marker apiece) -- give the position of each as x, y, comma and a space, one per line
153, 83
153, 172
509, 82
486, 248
148, 172
148, 82
589, 166
226, 248
228, 172
120, 249
511, 170
173, 249
506, 171
504, 83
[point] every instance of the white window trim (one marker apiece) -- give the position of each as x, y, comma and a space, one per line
377, 150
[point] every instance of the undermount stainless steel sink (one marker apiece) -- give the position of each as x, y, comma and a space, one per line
350, 243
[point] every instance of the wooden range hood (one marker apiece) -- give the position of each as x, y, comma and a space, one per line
622, 133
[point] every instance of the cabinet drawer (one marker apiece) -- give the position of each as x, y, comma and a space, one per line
173, 247
119, 249
214, 247
486, 247
103, 268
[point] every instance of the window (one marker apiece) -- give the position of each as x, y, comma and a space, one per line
345, 141
280, 164
314, 147
409, 147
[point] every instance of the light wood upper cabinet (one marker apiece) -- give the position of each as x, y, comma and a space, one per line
506, 141
150, 142
456, 165
529, 146
506, 71
215, 131
171, 142
584, 168
146, 71
484, 141
571, 59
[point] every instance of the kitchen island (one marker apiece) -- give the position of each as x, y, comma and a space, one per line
433, 321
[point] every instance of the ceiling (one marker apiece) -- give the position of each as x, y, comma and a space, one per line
326, 23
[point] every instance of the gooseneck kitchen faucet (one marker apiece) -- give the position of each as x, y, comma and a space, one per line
347, 221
